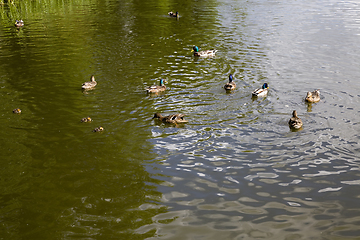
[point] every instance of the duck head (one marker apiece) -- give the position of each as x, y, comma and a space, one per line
294, 114
195, 49
162, 81
157, 115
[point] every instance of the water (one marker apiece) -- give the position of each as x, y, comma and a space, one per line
235, 171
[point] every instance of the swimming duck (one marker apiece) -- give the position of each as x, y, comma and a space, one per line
174, 118
295, 122
206, 53
313, 97
156, 89
99, 129
171, 14
17, 110
89, 85
87, 119
19, 23
261, 92
230, 85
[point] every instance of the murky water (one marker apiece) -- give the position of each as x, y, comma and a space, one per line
235, 171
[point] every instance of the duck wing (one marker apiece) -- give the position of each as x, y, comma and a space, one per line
175, 118
230, 86
295, 122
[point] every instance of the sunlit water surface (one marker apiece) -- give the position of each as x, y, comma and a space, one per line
235, 171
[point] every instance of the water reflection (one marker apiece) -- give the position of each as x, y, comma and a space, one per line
243, 150
56, 169
234, 171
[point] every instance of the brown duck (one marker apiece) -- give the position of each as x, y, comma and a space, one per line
87, 119
172, 14
313, 97
295, 122
89, 85
99, 129
230, 85
17, 110
174, 118
157, 88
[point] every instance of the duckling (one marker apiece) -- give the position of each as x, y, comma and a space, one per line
174, 118
156, 89
205, 53
230, 85
89, 85
87, 119
313, 97
295, 122
19, 23
17, 110
171, 14
261, 92
99, 129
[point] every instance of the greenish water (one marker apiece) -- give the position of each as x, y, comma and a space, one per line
235, 171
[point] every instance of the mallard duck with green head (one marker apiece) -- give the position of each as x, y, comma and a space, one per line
157, 88
295, 122
89, 85
87, 119
171, 14
231, 85
17, 110
205, 53
313, 97
261, 92
173, 118
98, 129
19, 23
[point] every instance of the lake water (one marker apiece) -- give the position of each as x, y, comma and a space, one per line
235, 171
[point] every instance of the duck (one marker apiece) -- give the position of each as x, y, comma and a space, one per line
17, 110
295, 122
173, 118
206, 53
99, 129
156, 89
87, 119
19, 23
313, 97
89, 85
171, 14
230, 85
261, 92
